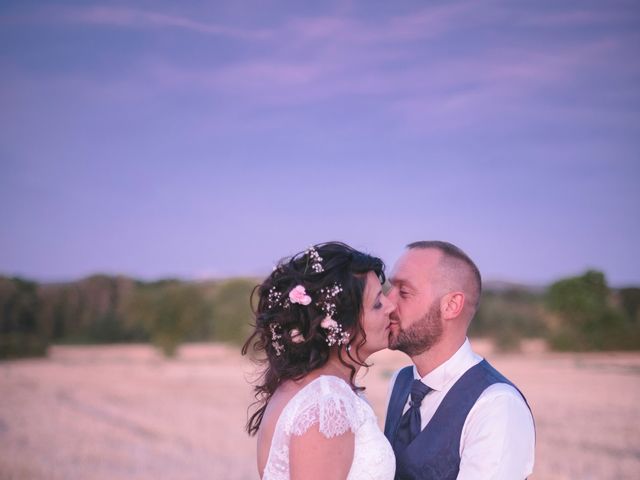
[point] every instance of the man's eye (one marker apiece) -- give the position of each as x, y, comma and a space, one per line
404, 293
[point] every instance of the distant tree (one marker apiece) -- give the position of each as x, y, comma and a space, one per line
91, 310
585, 318
630, 303
52, 312
232, 313
21, 334
508, 316
203, 329
169, 311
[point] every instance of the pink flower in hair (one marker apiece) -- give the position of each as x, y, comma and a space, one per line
296, 336
328, 322
299, 295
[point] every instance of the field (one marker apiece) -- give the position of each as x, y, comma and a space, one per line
124, 412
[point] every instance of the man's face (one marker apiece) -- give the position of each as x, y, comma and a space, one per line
416, 324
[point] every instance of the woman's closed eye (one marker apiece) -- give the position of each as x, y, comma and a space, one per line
377, 304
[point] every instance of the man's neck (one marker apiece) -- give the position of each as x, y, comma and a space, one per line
428, 361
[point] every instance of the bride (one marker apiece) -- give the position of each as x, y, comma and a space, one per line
320, 314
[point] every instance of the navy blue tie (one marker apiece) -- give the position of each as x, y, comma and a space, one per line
409, 426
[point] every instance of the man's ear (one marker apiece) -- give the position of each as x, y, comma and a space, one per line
451, 305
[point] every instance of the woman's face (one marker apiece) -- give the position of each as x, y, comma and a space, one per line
375, 317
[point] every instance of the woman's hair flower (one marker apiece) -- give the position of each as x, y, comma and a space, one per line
328, 322
299, 295
296, 336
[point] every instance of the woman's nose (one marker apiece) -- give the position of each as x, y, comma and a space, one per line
391, 306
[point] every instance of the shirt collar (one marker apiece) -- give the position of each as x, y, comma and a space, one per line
439, 378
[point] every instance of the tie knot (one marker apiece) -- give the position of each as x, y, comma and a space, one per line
418, 391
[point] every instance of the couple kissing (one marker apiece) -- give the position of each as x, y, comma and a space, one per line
450, 415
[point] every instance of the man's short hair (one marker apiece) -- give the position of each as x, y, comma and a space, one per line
454, 258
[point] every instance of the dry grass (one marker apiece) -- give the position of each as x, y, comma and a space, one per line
124, 412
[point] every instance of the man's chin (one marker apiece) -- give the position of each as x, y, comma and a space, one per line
393, 344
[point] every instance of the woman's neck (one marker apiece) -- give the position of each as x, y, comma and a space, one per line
337, 368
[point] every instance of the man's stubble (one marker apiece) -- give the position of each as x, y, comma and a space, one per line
422, 335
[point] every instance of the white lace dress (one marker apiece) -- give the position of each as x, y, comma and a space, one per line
331, 403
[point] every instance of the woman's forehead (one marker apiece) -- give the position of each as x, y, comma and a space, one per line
373, 285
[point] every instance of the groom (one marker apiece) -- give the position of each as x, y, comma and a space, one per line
450, 415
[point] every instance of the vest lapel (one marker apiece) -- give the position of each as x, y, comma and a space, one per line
399, 396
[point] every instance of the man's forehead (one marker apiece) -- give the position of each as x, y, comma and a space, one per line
416, 265
420, 258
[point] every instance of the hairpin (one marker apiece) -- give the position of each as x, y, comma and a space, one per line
275, 338
315, 259
327, 304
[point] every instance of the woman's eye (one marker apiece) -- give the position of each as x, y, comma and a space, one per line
377, 305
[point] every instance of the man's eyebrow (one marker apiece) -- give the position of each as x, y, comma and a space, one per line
401, 282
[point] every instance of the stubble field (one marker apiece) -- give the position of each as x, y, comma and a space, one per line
124, 412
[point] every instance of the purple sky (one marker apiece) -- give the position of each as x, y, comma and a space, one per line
203, 138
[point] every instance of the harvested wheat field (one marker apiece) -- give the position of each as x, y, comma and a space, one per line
124, 412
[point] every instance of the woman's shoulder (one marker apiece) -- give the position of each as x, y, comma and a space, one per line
327, 401
332, 385
325, 390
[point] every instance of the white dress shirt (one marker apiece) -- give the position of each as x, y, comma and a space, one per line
498, 436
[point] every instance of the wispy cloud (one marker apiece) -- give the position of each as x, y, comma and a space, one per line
578, 18
399, 61
146, 19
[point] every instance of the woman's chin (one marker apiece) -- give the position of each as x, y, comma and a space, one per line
384, 344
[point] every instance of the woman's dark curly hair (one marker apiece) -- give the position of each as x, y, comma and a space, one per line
340, 264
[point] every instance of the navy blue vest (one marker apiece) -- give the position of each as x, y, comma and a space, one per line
435, 452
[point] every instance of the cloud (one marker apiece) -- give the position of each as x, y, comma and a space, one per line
137, 18
402, 63
577, 18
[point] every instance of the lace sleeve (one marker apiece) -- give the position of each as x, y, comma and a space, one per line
333, 406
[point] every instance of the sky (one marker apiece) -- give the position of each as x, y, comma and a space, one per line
204, 139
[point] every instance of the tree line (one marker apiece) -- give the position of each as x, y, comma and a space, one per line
579, 313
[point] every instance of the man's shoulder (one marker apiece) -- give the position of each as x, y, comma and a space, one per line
500, 411
502, 391
502, 403
500, 429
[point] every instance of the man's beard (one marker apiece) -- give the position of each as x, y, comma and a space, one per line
420, 336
